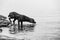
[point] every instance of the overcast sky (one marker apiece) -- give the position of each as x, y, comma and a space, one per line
40, 10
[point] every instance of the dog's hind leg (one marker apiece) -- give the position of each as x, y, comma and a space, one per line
21, 25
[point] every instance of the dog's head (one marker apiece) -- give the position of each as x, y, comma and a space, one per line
11, 14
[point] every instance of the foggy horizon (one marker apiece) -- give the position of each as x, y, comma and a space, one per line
43, 10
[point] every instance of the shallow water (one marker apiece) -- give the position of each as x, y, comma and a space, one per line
42, 31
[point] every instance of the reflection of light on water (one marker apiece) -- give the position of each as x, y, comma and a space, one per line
45, 31
42, 31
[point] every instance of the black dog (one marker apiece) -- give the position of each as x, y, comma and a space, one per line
20, 18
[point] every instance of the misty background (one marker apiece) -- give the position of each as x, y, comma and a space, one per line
40, 10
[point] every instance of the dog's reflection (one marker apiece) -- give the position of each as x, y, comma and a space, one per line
26, 28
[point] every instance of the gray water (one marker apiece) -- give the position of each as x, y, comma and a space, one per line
42, 31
